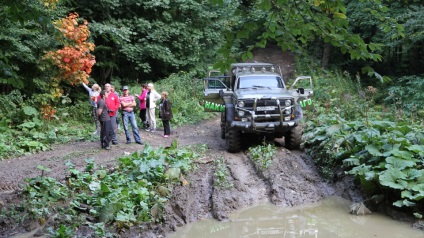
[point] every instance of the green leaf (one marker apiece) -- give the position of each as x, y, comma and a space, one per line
419, 149
174, 144
393, 178
351, 161
339, 15
332, 130
94, 185
28, 124
173, 173
43, 168
104, 187
373, 150
30, 111
399, 163
401, 203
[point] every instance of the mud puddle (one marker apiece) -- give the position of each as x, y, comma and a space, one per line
325, 219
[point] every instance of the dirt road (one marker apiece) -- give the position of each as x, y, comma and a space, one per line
290, 180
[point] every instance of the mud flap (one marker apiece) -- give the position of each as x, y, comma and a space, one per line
230, 112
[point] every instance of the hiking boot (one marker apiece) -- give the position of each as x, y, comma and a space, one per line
165, 136
139, 142
148, 129
128, 142
107, 148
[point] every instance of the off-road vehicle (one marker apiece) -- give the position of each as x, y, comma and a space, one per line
253, 99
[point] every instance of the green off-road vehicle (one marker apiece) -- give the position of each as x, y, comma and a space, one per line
254, 100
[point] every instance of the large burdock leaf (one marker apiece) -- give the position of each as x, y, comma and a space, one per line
419, 149
395, 162
373, 150
393, 178
402, 154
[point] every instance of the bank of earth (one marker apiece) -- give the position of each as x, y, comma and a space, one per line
290, 180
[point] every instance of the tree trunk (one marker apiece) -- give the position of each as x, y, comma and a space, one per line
326, 55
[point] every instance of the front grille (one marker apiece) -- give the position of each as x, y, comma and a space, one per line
262, 103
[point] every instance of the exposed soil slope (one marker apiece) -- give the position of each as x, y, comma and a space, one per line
290, 180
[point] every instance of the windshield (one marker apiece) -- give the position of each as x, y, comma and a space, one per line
260, 81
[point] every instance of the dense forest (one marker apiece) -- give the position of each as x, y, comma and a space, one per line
365, 57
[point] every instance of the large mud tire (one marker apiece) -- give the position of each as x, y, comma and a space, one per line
222, 132
233, 140
293, 138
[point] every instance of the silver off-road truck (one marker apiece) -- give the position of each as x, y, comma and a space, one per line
254, 100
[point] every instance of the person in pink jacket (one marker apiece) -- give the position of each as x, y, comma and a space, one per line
142, 98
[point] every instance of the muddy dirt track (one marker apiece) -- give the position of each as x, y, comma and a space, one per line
290, 180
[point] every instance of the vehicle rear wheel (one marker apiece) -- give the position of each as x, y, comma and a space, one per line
293, 138
233, 142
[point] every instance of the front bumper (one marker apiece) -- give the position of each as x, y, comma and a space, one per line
264, 126
272, 123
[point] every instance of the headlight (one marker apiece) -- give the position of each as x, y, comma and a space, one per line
287, 103
241, 113
240, 103
287, 111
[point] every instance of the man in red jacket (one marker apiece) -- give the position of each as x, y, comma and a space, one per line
112, 102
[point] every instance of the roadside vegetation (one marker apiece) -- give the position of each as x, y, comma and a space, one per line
375, 133
100, 202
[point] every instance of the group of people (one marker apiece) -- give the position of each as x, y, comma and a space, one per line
106, 104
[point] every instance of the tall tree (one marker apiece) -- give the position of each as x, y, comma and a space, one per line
293, 25
26, 33
151, 39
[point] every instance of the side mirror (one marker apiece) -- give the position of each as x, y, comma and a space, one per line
301, 90
221, 93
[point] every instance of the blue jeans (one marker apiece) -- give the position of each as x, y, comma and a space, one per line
131, 117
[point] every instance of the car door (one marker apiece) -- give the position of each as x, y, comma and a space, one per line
211, 92
302, 91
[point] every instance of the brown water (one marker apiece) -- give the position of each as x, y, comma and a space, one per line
326, 219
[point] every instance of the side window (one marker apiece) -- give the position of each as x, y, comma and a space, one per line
215, 84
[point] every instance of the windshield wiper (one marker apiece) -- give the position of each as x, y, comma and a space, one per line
260, 86
248, 88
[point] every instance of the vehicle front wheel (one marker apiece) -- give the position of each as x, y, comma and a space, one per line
223, 125
293, 138
233, 142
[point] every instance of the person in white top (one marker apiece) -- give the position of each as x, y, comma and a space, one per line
151, 98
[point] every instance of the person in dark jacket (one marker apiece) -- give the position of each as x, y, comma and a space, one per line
165, 113
106, 130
